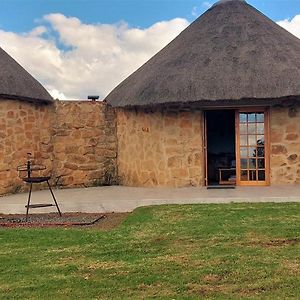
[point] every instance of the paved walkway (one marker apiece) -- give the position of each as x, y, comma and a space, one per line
124, 199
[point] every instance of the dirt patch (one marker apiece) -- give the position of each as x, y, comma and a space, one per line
105, 221
203, 290
277, 242
111, 221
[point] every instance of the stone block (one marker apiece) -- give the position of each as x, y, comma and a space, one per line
186, 123
173, 151
179, 173
292, 127
278, 149
71, 149
277, 135
293, 158
174, 162
88, 167
148, 165
194, 172
10, 115
278, 160
71, 166
292, 137
62, 132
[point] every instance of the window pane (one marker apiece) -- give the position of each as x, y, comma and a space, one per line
243, 140
260, 117
243, 152
243, 118
260, 128
244, 175
261, 163
261, 175
251, 118
252, 175
252, 128
252, 152
243, 128
252, 163
252, 140
260, 140
244, 164
260, 152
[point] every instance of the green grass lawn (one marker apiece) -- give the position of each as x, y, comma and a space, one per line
167, 252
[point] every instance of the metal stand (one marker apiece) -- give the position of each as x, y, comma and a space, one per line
28, 168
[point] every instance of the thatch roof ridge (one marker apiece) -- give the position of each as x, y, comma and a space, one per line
231, 52
225, 1
17, 83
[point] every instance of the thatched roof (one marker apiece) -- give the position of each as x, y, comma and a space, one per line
17, 83
231, 52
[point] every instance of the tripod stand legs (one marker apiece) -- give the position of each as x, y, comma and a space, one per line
54, 198
28, 202
40, 205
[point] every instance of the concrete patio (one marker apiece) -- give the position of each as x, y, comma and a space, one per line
125, 199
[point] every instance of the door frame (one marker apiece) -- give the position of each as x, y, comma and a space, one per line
265, 110
237, 110
204, 137
204, 143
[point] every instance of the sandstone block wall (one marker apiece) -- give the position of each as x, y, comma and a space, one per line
160, 148
84, 144
24, 127
285, 145
76, 140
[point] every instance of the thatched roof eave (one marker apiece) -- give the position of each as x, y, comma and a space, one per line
23, 98
227, 103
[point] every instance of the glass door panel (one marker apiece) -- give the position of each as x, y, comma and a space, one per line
251, 137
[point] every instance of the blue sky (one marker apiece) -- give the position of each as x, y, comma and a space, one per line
22, 15
80, 47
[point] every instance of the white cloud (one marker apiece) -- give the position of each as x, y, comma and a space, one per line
87, 58
207, 4
292, 25
58, 95
194, 12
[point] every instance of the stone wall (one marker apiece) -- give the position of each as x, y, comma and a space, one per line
24, 127
160, 148
84, 144
285, 145
75, 140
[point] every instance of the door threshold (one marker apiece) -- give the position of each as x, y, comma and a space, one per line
220, 187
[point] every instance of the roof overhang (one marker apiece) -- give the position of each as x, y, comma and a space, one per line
217, 104
27, 99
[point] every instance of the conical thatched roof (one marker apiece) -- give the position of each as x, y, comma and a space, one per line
17, 83
231, 52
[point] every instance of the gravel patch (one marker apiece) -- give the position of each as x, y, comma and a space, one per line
104, 221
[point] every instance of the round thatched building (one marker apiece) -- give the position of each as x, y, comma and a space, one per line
24, 120
218, 105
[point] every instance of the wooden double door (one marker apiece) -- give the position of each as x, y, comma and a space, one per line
252, 166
